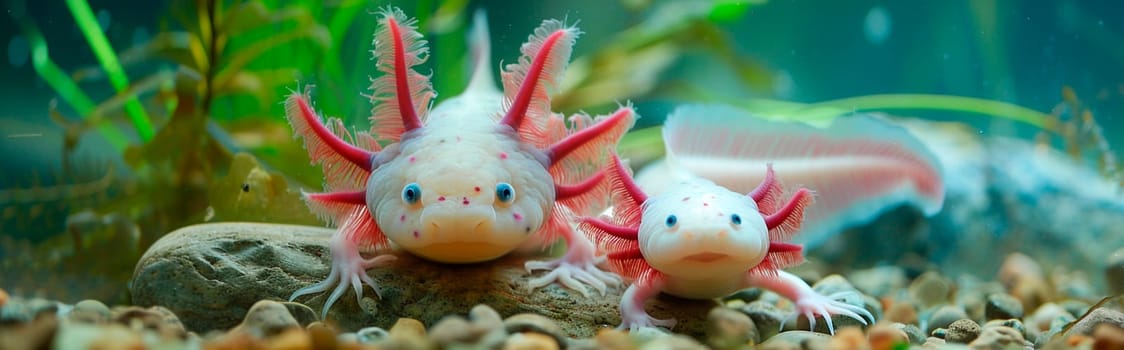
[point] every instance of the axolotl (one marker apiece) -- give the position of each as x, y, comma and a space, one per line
698, 240
473, 179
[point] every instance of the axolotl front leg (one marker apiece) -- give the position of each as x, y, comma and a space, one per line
807, 301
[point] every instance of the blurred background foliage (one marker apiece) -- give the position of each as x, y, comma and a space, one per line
127, 120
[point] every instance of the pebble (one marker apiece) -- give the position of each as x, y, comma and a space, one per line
371, 335
796, 340
674, 342
3, 298
407, 328
451, 329
156, 318
1107, 336
878, 281
944, 316
91, 336
1096, 317
1114, 272
266, 318
848, 338
728, 328
886, 336
530, 341
534, 323
930, 289
1043, 318
302, 313
1002, 306
999, 338
962, 331
613, 339
903, 312
1032, 292
324, 336
1018, 266
89, 311
916, 336
1012, 323
765, 316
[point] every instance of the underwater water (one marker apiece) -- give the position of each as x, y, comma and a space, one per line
129, 120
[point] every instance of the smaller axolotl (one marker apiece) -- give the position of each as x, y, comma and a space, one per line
475, 178
699, 240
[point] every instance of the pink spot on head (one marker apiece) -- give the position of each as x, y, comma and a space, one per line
413, 159
686, 198
517, 216
477, 188
464, 201
503, 155
441, 199
402, 218
705, 204
416, 234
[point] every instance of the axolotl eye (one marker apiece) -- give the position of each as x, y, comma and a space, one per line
736, 219
504, 192
411, 193
671, 220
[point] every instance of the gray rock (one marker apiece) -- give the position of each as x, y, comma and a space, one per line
962, 331
916, 336
797, 340
211, 274
371, 335
1002, 306
302, 313
1101, 315
944, 316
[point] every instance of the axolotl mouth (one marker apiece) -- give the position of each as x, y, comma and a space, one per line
706, 257
462, 252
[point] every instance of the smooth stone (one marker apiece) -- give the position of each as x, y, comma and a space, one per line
903, 312
371, 335
157, 318
797, 340
531, 341
1001, 306
887, 336
534, 323
267, 318
962, 331
1107, 336
1043, 318
89, 311
1012, 323
1086, 324
1000, 338
765, 316
302, 313
944, 316
878, 281
407, 327
916, 336
728, 328
931, 288
210, 274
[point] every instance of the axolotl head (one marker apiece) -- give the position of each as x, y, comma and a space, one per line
700, 230
462, 194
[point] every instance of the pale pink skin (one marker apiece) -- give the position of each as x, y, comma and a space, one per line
698, 240
477, 177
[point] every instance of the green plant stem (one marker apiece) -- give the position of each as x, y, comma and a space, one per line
84, 16
832, 108
64, 86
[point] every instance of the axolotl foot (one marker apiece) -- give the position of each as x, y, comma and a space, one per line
348, 269
575, 270
817, 305
573, 273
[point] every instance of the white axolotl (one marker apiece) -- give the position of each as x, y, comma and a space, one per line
698, 240
476, 177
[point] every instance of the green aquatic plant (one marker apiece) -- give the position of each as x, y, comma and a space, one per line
84, 17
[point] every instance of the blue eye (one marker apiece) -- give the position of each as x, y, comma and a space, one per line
671, 220
411, 193
736, 219
504, 192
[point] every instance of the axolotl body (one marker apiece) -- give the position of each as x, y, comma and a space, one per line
476, 177
698, 240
